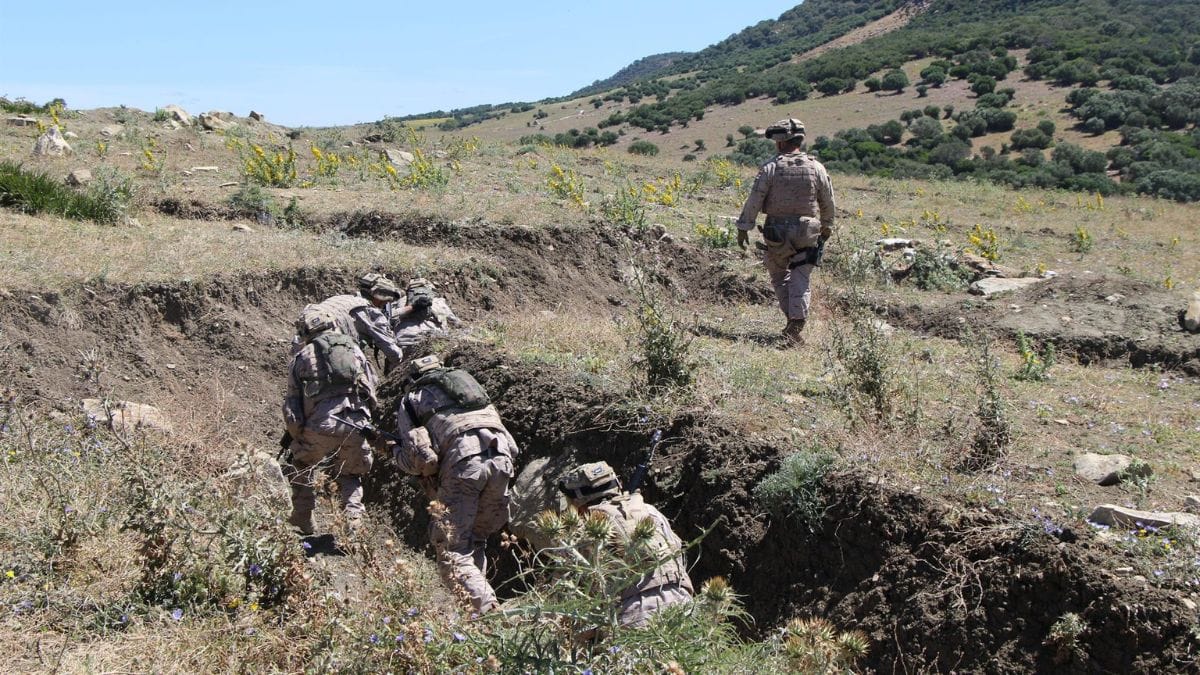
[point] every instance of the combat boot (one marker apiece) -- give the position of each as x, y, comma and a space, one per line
793, 331
303, 521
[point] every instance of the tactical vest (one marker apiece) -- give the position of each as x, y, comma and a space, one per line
343, 307
793, 187
339, 370
463, 390
625, 512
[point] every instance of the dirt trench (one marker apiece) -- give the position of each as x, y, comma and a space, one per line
935, 587
1093, 319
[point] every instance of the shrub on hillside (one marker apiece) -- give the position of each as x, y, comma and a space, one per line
645, 148
104, 200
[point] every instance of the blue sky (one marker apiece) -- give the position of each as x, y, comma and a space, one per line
309, 63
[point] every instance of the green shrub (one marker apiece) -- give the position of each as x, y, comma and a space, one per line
105, 200
935, 271
994, 432
645, 148
663, 340
793, 492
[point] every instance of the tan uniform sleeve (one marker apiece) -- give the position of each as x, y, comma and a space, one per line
758, 194
825, 198
374, 326
414, 455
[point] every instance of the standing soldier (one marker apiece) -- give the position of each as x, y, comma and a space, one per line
327, 381
449, 429
594, 488
424, 313
794, 191
361, 317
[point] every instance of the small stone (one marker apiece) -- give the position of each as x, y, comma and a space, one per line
170, 366
1194, 475
256, 116
242, 227
1106, 469
205, 168
1119, 516
1191, 504
112, 131
1123, 571
1189, 603
51, 143
1191, 317
121, 415
1114, 298
995, 285
21, 121
70, 134
212, 121
79, 177
177, 114
399, 157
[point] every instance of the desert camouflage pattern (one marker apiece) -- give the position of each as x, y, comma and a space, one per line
472, 455
791, 187
358, 318
473, 494
1191, 316
437, 320
317, 437
793, 184
669, 582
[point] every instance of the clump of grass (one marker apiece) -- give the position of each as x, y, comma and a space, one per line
625, 207
794, 491
664, 341
105, 200
994, 433
1081, 240
1064, 638
713, 235
936, 271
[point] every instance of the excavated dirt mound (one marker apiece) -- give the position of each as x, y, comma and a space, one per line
934, 587
1093, 318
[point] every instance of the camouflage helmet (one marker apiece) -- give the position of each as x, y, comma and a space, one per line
368, 280
379, 288
589, 483
418, 367
419, 282
314, 320
785, 130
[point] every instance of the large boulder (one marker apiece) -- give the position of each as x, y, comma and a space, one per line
213, 122
52, 143
1191, 318
1108, 469
399, 157
112, 131
1119, 516
22, 121
177, 114
995, 285
125, 415
260, 474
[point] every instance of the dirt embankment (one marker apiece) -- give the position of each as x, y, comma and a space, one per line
1092, 319
934, 587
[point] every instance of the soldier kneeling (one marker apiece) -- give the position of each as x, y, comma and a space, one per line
594, 488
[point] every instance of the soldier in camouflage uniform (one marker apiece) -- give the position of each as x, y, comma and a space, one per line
449, 429
594, 488
327, 378
795, 193
362, 318
424, 313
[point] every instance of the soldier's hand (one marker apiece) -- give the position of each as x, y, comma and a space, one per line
826, 231
743, 238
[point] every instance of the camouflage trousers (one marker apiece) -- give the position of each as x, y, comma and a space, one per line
791, 287
637, 609
349, 458
474, 494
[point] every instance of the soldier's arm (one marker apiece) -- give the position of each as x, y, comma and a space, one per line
825, 200
442, 307
414, 455
373, 325
293, 402
758, 195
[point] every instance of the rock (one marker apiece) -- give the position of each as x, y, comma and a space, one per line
21, 121
212, 121
1118, 516
256, 116
399, 157
261, 475
1114, 298
1191, 318
112, 131
1106, 469
242, 227
1191, 504
125, 415
177, 114
994, 285
51, 143
1190, 604
79, 177
70, 134
1194, 476
206, 168
894, 243
984, 267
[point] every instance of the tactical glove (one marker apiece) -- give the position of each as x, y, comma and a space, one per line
743, 238
826, 231
422, 303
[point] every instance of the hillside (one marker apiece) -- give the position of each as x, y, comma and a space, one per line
933, 482
644, 68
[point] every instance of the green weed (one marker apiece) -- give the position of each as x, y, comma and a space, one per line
794, 491
104, 201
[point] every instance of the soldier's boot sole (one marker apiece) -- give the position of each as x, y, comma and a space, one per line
302, 522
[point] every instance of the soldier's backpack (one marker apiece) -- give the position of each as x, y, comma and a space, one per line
463, 390
339, 370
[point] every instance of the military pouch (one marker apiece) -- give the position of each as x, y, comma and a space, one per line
771, 233
463, 390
